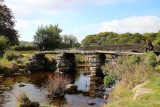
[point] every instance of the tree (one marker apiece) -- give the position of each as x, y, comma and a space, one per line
88, 40
3, 44
70, 41
48, 37
7, 24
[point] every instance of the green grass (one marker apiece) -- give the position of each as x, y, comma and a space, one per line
146, 100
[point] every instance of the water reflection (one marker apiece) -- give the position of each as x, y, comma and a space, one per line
33, 86
82, 81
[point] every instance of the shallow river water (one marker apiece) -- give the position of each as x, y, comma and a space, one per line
33, 86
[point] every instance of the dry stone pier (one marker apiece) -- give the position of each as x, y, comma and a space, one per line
65, 62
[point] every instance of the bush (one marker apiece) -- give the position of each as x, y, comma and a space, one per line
56, 85
134, 59
157, 68
110, 79
50, 64
120, 60
11, 55
25, 101
24, 48
4, 44
151, 59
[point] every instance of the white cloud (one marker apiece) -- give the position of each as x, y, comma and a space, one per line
133, 24
32, 7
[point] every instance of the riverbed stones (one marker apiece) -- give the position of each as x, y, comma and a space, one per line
71, 88
30, 104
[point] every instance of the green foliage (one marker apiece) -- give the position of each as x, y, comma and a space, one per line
134, 59
69, 41
87, 41
10, 55
3, 44
48, 37
7, 23
157, 68
151, 59
50, 64
24, 48
110, 79
106, 38
120, 60
26, 43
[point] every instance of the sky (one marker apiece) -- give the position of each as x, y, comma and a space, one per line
83, 17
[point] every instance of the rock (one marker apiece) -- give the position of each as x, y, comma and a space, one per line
30, 104
71, 88
25, 71
139, 86
91, 103
21, 85
85, 93
17, 74
141, 91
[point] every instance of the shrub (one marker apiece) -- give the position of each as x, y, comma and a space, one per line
4, 44
120, 60
110, 79
22, 98
151, 59
157, 68
50, 64
56, 85
134, 59
14, 66
24, 48
11, 55
25, 101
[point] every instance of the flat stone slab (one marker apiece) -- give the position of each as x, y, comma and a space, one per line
141, 91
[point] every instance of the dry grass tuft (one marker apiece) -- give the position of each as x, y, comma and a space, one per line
56, 85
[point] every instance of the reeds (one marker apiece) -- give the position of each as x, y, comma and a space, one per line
56, 85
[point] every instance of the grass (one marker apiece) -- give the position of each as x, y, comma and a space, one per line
147, 100
132, 75
56, 85
125, 96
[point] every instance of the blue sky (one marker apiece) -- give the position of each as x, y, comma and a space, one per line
84, 17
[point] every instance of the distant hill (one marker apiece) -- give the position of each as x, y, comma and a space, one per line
26, 43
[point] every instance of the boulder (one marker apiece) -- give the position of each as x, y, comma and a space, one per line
30, 104
71, 88
139, 91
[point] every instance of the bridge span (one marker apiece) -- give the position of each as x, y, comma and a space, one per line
65, 59
89, 52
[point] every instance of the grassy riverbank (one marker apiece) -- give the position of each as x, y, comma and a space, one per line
132, 73
125, 95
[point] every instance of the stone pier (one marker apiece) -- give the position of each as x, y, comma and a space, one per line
95, 63
66, 62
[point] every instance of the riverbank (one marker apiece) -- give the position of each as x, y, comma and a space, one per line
139, 83
125, 97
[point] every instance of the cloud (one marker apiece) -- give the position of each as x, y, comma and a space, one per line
133, 24
32, 7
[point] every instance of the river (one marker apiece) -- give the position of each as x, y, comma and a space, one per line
33, 85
